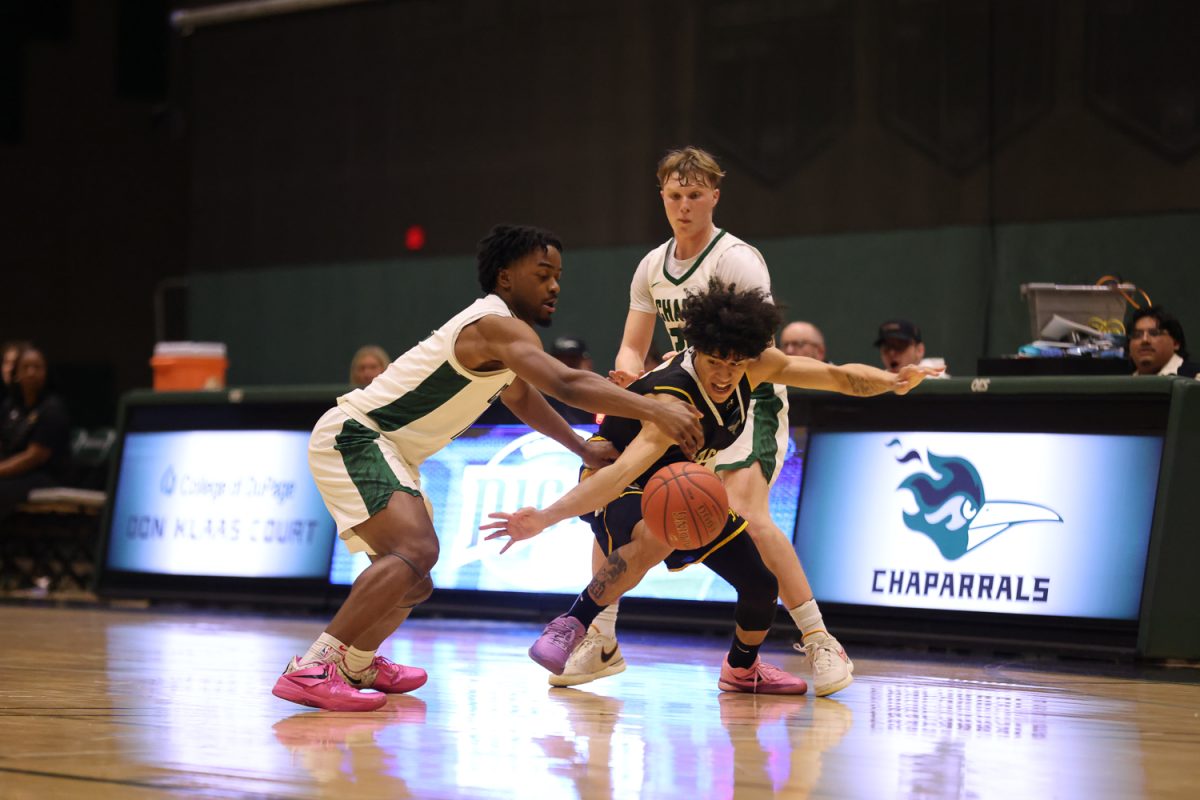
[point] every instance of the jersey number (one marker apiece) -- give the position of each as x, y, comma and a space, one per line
677, 341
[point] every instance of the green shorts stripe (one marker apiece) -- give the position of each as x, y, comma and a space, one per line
367, 468
765, 450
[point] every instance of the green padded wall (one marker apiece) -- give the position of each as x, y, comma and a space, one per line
302, 324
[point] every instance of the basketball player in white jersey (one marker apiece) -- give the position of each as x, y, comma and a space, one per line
689, 182
365, 454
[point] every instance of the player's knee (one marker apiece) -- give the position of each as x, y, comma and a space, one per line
644, 552
424, 551
419, 593
754, 612
761, 527
758, 586
419, 550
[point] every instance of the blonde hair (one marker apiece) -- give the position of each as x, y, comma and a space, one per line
692, 165
366, 351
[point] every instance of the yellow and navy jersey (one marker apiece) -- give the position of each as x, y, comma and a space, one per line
721, 422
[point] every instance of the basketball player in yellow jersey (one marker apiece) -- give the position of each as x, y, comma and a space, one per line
689, 181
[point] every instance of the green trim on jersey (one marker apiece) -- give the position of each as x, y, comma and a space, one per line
366, 466
426, 397
694, 267
766, 424
764, 391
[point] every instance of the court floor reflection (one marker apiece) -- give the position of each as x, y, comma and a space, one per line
104, 703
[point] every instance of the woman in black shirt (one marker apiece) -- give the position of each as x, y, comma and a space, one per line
34, 431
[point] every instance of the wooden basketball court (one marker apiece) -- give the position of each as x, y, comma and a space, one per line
101, 703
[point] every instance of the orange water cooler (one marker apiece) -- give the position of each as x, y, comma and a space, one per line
189, 366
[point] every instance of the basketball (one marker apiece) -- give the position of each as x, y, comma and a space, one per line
685, 505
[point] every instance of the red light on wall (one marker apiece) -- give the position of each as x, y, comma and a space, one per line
414, 238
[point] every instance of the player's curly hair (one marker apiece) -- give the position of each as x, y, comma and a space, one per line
505, 244
727, 322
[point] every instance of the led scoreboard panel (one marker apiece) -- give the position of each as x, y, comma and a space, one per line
229, 503
1015, 523
215, 498
211, 496
506, 467
1042, 509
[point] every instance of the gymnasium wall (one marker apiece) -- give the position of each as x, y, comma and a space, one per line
916, 159
301, 324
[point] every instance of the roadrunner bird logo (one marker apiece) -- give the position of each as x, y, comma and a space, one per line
953, 510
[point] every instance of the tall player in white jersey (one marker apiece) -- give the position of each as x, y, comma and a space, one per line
689, 180
365, 454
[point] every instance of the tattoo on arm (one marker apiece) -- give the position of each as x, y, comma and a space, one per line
613, 569
861, 386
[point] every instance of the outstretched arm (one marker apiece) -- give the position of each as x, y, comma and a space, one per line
775, 366
596, 491
635, 344
531, 408
514, 344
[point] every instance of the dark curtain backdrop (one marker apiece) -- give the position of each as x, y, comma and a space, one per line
918, 158
322, 136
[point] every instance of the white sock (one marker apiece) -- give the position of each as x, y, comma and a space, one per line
357, 662
606, 621
325, 649
808, 619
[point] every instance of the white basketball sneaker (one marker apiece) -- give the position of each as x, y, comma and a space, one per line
597, 656
832, 669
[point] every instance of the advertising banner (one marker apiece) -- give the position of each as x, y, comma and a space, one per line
1014, 523
219, 503
504, 468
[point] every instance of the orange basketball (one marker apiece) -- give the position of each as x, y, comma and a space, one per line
685, 505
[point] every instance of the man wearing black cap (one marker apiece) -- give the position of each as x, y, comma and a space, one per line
899, 342
573, 352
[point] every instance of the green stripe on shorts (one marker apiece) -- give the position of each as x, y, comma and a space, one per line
764, 448
368, 469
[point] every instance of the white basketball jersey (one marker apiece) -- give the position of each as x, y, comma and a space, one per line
668, 291
425, 397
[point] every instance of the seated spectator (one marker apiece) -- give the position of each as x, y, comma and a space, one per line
1157, 345
571, 351
368, 362
802, 339
11, 350
34, 431
900, 344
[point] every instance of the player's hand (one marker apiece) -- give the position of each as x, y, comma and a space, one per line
681, 422
910, 377
621, 378
597, 454
522, 524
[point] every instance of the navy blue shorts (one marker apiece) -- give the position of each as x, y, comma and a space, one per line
614, 524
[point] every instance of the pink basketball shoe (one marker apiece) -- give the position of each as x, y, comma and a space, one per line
385, 675
320, 685
760, 678
558, 640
